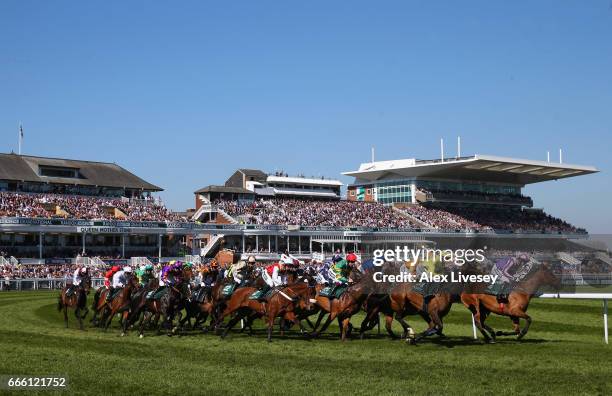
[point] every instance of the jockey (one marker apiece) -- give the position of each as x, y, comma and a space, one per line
171, 274
120, 278
108, 276
209, 275
340, 270
78, 275
145, 274
238, 271
272, 274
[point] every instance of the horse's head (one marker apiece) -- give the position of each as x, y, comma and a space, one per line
132, 280
546, 276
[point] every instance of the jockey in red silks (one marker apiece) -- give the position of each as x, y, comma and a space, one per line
108, 275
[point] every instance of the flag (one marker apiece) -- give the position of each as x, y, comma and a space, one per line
21, 131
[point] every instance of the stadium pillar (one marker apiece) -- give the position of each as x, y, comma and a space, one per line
122, 245
83, 241
310, 243
243, 246
269, 244
40, 245
299, 244
159, 243
256, 243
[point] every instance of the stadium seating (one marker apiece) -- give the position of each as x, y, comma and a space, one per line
82, 207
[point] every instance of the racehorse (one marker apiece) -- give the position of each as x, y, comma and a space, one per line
120, 303
343, 308
77, 300
201, 306
481, 304
170, 303
286, 302
402, 300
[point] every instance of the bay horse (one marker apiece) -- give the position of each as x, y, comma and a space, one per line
401, 300
482, 304
343, 308
121, 304
200, 310
172, 302
286, 302
78, 300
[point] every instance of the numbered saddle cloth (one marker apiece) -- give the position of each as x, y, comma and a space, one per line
156, 294
262, 294
333, 292
228, 290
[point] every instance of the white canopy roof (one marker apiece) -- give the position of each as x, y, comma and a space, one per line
487, 168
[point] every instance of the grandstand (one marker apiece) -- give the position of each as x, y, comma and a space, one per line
479, 192
57, 208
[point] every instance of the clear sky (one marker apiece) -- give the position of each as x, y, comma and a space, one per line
183, 93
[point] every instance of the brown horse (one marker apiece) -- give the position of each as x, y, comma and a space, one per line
120, 304
200, 310
481, 304
78, 301
287, 303
345, 307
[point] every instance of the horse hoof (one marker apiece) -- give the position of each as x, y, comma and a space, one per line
141, 336
122, 334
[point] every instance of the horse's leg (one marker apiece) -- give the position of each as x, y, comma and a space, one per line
325, 325
484, 314
319, 318
66, 315
77, 313
346, 322
526, 328
388, 326
477, 320
146, 317
271, 317
239, 315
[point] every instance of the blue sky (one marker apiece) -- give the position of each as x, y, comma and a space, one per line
183, 93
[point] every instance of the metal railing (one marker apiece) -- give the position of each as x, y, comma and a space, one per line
42, 283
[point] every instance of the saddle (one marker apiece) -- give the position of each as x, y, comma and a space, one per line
228, 290
157, 294
262, 294
200, 294
71, 290
116, 292
332, 292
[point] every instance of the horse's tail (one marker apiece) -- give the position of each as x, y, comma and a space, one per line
60, 304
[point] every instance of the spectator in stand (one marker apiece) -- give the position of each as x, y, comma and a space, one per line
82, 207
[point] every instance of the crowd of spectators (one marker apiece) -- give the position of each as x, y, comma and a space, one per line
316, 213
488, 218
82, 207
477, 196
440, 219
65, 271
368, 214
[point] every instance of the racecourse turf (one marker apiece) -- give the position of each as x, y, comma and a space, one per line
563, 353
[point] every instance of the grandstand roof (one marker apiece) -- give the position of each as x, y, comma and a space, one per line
223, 189
303, 180
256, 173
26, 168
477, 167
